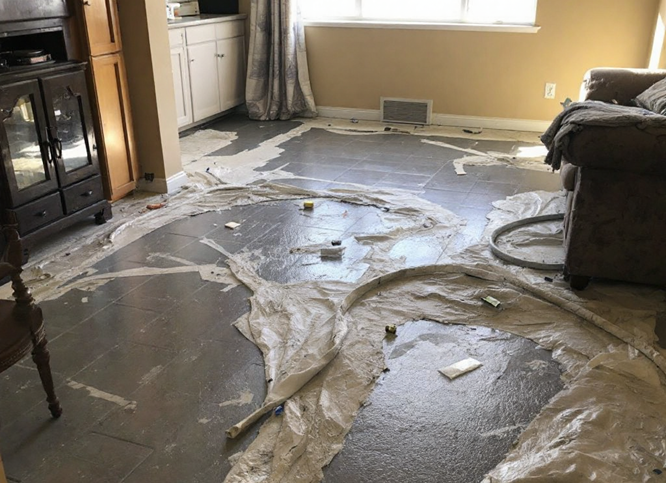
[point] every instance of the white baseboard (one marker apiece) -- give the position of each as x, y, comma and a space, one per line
164, 186
442, 119
349, 113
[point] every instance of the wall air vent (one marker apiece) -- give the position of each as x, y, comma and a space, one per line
408, 111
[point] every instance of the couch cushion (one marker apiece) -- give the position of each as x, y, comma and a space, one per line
654, 98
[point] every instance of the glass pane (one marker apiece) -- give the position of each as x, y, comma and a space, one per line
502, 11
23, 140
413, 10
70, 130
321, 9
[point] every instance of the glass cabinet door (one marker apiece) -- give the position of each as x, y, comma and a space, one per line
72, 144
24, 145
70, 126
24, 150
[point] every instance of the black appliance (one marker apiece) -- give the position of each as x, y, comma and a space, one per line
218, 6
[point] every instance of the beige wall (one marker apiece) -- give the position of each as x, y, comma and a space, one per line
148, 59
476, 73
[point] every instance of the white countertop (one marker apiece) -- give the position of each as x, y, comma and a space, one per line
204, 19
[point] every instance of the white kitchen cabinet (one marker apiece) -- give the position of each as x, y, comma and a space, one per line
208, 61
231, 71
181, 84
203, 80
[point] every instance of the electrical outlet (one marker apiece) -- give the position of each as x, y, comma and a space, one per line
550, 90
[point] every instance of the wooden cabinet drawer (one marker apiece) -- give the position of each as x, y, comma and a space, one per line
83, 194
225, 30
39, 213
176, 38
200, 33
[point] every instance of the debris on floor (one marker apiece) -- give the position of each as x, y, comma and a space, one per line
156, 206
308, 205
232, 225
491, 301
332, 252
459, 368
391, 329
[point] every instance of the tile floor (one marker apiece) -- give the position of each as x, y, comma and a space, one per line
145, 366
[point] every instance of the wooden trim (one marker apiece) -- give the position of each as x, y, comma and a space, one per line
97, 15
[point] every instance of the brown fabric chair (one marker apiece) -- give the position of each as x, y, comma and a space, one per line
615, 224
22, 323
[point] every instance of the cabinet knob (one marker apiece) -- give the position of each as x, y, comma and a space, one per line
191, 60
42, 214
87, 193
86, 3
220, 55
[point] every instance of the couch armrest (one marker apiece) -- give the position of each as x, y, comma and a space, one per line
620, 148
617, 85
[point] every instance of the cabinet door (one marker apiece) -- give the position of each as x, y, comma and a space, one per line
102, 32
117, 148
70, 129
203, 80
231, 71
27, 157
181, 85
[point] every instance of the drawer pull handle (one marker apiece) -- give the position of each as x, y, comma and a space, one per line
87, 193
42, 214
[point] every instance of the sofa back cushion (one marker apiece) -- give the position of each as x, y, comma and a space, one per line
654, 98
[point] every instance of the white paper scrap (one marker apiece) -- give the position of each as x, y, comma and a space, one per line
460, 368
233, 225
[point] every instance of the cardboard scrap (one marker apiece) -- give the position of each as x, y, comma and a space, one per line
460, 368
232, 225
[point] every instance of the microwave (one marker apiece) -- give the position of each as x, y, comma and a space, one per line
188, 8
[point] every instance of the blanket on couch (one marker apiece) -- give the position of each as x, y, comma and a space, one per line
593, 113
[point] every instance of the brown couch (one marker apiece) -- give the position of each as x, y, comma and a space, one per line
615, 224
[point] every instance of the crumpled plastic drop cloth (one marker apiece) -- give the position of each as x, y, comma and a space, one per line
607, 425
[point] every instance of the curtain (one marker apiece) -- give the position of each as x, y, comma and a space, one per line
278, 81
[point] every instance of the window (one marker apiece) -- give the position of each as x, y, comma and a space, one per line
483, 12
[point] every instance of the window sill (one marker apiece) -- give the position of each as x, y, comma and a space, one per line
383, 24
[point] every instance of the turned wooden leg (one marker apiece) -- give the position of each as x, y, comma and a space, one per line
41, 357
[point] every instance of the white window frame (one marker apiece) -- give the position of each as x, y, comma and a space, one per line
357, 21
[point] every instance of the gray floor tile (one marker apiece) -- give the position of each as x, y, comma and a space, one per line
137, 363
361, 176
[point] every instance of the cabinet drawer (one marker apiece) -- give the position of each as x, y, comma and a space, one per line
200, 33
83, 194
39, 213
225, 30
176, 37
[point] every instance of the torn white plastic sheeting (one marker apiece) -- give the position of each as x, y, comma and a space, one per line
320, 413
98, 394
208, 273
459, 368
203, 142
318, 416
300, 328
492, 158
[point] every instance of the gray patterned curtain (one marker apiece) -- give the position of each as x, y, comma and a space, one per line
278, 81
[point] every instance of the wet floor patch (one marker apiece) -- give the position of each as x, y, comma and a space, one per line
419, 426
